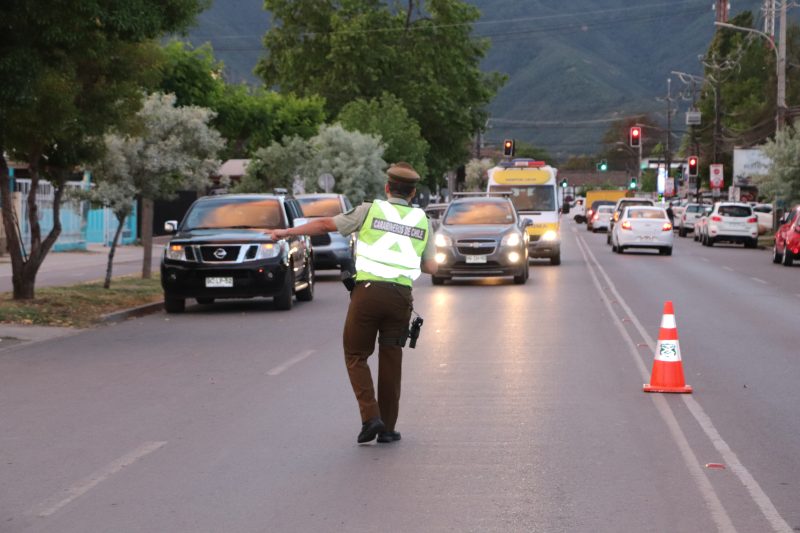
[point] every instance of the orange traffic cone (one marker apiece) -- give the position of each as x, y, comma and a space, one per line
667, 373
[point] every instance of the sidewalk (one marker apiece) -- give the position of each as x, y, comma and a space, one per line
66, 268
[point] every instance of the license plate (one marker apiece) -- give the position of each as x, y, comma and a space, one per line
218, 282
645, 238
476, 259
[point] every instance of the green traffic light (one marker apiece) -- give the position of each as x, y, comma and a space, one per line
603, 166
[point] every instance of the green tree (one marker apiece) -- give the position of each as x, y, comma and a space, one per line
353, 158
193, 75
783, 179
425, 55
529, 151
70, 71
388, 118
475, 173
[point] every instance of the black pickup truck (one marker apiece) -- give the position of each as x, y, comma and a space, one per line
222, 249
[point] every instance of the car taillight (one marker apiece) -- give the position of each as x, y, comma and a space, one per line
595, 217
752, 220
590, 213
666, 227
626, 224
715, 218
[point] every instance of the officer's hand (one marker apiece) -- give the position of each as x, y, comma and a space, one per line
278, 234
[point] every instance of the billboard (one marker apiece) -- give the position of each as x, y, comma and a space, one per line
749, 162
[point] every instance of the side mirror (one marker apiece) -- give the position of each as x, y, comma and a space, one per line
299, 222
525, 223
171, 226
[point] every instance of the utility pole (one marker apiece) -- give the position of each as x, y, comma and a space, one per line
781, 103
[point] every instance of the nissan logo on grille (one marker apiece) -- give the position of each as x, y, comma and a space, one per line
220, 253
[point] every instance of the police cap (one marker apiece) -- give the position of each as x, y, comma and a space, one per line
402, 172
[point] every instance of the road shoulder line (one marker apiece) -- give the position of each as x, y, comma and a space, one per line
760, 498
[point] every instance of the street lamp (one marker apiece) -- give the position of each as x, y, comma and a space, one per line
780, 61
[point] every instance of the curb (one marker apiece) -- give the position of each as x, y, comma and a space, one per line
133, 312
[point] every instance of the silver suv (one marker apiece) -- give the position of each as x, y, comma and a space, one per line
332, 250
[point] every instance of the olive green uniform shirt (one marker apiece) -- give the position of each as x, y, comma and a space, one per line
347, 223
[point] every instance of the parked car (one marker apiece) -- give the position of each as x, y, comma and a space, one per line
595, 206
764, 214
332, 250
621, 204
787, 238
482, 236
435, 212
601, 219
700, 223
578, 210
220, 250
643, 227
731, 222
691, 213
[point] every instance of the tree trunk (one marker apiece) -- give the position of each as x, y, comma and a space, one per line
147, 237
121, 221
13, 238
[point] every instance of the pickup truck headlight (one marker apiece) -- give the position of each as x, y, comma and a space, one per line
550, 235
442, 240
268, 251
176, 252
512, 239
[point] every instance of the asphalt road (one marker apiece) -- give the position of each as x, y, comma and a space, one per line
522, 410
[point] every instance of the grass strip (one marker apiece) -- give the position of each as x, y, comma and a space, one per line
79, 305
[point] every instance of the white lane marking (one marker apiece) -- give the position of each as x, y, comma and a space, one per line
759, 280
759, 496
88, 483
293, 361
729, 269
718, 513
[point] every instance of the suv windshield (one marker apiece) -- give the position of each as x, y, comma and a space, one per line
734, 211
530, 197
320, 207
488, 212
234, 213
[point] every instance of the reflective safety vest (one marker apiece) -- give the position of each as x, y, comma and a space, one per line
390, 243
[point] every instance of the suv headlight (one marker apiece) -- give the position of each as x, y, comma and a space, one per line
442, 240
549, 235
268, 251
175, 252
511, 239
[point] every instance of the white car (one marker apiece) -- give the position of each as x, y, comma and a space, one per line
764, 214
700, 223
601, 220
643, 227
685, 223
731, 222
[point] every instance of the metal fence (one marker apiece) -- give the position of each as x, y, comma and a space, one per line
80, 224
73, 215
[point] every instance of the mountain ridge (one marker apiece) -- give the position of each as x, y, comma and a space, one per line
580, 63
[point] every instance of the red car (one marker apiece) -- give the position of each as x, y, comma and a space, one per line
787, 239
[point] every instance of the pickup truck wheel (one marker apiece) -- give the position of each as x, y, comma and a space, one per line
284, 299
174, 305
556, 259
307, 294
788, 257
522, 277
776, 257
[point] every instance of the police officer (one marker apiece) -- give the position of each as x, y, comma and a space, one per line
394, 246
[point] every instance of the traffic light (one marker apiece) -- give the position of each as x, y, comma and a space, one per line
563, 184
635, 137
602, 166
632, 185
693, 166
508, 147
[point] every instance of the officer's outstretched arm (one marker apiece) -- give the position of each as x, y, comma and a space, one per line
318, 226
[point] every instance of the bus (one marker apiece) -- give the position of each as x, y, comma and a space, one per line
531, 186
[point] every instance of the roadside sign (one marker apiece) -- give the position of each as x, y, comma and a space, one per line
669, 190
716, 176
326, 181
693, 118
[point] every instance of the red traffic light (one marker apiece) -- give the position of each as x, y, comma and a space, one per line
635, 136
693, 164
